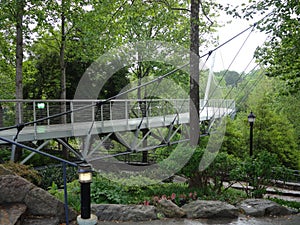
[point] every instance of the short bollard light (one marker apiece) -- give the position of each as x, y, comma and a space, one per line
85, 180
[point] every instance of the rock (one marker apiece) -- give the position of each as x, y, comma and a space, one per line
41, 221
109, 212
11, 213
264, 207
4, 171
170, 209
41, 203
13, 188
210, 209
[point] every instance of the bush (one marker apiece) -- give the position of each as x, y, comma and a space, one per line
107, 191
73, 191
258, 172
212, 178
24, 171
5, 154
54, 174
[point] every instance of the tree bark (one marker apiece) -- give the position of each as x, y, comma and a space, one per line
194, 73
20, 5
19, 58
63, 92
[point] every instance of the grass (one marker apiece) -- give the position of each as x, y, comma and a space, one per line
291, 204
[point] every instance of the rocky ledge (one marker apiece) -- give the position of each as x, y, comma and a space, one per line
195, 210
21, 202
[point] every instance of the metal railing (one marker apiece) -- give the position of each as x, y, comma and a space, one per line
98, 110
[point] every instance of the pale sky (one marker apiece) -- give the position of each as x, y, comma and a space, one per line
225, 55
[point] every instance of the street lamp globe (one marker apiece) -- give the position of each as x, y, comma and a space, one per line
251, 117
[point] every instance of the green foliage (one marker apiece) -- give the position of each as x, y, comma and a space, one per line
73, 192
280, 53
290, 204
273, 131
257, 172
232, 78
5, 154
212, 178
106, 191
24, 171
54, 174
235, 141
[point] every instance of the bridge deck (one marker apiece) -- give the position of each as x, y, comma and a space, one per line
77, 129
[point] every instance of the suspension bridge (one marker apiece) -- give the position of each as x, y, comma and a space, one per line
107, 120
139, 125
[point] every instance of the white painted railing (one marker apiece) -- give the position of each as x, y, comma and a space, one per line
88, 110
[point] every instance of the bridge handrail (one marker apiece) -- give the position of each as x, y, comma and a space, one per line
34, 109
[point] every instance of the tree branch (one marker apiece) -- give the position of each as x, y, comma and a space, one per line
165, 2
205, 14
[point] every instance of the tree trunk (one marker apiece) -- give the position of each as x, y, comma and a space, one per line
17, 152
19, 57
194, 74
63, 91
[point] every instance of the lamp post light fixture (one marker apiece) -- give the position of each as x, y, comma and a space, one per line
251, 120
85, 180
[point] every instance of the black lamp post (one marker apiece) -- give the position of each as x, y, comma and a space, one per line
85, 180
251, 119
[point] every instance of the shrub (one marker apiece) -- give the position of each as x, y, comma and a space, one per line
54, 174
5, 154
73, 192
24, 171
257, 172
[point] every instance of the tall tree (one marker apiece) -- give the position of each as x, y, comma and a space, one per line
12, 27
194, 73
60, 20
281, 52
63, 91
20, 8
15, 17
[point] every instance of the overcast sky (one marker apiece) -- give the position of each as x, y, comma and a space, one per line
225, 55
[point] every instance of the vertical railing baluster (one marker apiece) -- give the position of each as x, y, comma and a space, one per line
93, 112
110, 110
34, 119
126, 113
48, 112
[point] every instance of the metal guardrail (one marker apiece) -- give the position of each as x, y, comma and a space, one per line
99, 110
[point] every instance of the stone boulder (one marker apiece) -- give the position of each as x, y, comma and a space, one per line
170, 209
264, 207
210, 209
39, 203
41, 221
13, 188
11, 213
110, 212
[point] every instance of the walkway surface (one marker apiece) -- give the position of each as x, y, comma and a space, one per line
242, 220
117, 116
